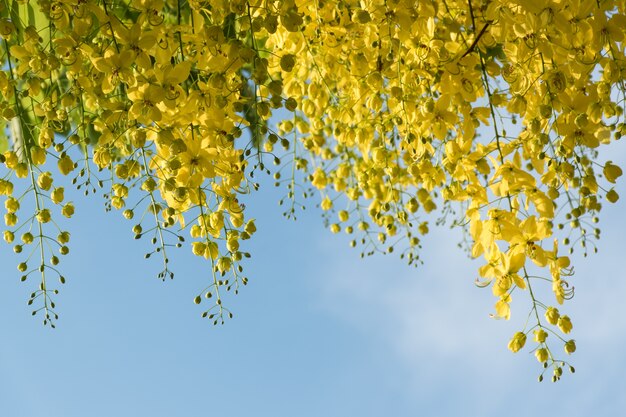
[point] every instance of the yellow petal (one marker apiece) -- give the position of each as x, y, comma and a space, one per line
503, 309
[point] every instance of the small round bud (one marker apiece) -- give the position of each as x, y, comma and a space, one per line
570, 347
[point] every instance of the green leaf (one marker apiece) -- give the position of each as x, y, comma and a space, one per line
30, 16
230, 32
4, 140
30, 12
17, 21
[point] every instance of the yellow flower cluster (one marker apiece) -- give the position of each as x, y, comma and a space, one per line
404, 108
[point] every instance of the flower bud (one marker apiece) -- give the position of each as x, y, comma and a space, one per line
540, 335
44, 181
542, 354
63, 237
224, 264
232, 245
65, 165
11, 205
570, 347
250, 227
27, 238
57, 195
10, 219
68, 210
38, 155
565, 324
287, 62
517, 342
198, 248
326, 204
9, 236
43, 216
552, 315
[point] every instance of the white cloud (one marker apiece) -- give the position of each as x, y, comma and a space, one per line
430, 311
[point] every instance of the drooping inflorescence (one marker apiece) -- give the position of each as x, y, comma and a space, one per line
488, 112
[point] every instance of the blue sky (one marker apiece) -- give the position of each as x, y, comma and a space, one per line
318, 332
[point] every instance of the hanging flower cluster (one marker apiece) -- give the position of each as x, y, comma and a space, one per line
488, 112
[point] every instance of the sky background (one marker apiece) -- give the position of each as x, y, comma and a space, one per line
317, 332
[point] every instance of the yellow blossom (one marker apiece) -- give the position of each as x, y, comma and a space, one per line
552, 315
565, 324
570, 347
517, 342
540, 335
541, 354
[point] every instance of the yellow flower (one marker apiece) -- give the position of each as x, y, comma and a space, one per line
531, 233
6, 187
558, 290
145, 98
198, 248
38, 155
117, 202
506, 273
611, 172
326, 204
565, 324
139, 41
43, 216
319, 179
517, 342
197, 160
102, 157
10, 219
540, 335
250, 227
27, 238
552, 315
612, 196
45, 137
570, 347
170, 77
224, 264
63, 237
9, 236
44, 181
11, 205
542, 354
211, 251
68, 210
232, 245
503, 309
65, 164
21, 170
287, 62
57, 195
116, 68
